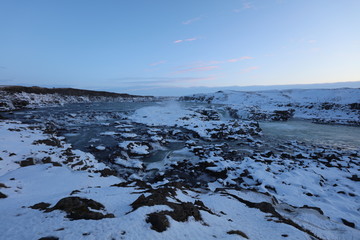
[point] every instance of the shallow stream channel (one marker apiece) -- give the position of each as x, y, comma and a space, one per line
100, 128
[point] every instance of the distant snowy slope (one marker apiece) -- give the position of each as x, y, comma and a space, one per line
300, 96
340, 106
18, 97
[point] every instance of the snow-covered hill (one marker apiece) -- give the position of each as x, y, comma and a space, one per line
12, 98
340, 106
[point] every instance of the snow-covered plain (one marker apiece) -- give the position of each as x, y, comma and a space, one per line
225, 181
339, 106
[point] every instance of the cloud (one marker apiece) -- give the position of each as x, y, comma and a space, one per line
191, 20
157, 63
249, 69
239, 59
197, 69
312, 41
245, 6
185, 40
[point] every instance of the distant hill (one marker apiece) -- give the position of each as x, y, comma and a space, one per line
18, 97
63, 91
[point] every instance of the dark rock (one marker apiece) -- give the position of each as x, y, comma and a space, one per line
74, 192
106, 172
40, 206
180, 211
20, 103
266, 208
27, 162
268, 154
2, 195
347, 223
79, 208
314, 208
355, 106
238, 232
183, 211
3, 186
354, 178
158, 221
48, 160
49, 238
50, 142
282, 115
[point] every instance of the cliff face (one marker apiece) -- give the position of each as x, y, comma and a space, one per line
18, 97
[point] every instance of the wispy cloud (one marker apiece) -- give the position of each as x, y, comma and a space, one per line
245, 6
185, 40
196, 69
249, 69
191, 20
239, 59
157, 63
312, 41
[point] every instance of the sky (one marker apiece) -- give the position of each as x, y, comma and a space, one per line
164, 47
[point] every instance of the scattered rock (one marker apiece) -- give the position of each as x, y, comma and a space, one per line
238, 232
348, 223
3, 186
106, 172
49, 238
54, 142
2, 195
27, 162
79, 208
40, 206
158, 221
354, 178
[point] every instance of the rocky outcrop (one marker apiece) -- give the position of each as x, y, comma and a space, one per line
77, 208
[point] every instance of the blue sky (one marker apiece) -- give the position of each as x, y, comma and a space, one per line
143, 46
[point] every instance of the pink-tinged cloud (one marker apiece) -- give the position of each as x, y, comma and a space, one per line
186, 40
157, 63
197, 69
191, 21
240, 59
249, 69
190, 39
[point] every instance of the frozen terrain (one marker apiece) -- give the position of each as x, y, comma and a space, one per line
14, 97
338, 106
176, 170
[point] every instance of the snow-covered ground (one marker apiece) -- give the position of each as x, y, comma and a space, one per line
13, 101
323, 105
225, 182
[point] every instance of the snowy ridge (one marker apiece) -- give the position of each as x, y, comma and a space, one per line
19, 100
323, 105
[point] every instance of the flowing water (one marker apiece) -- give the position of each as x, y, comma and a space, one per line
86, 126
